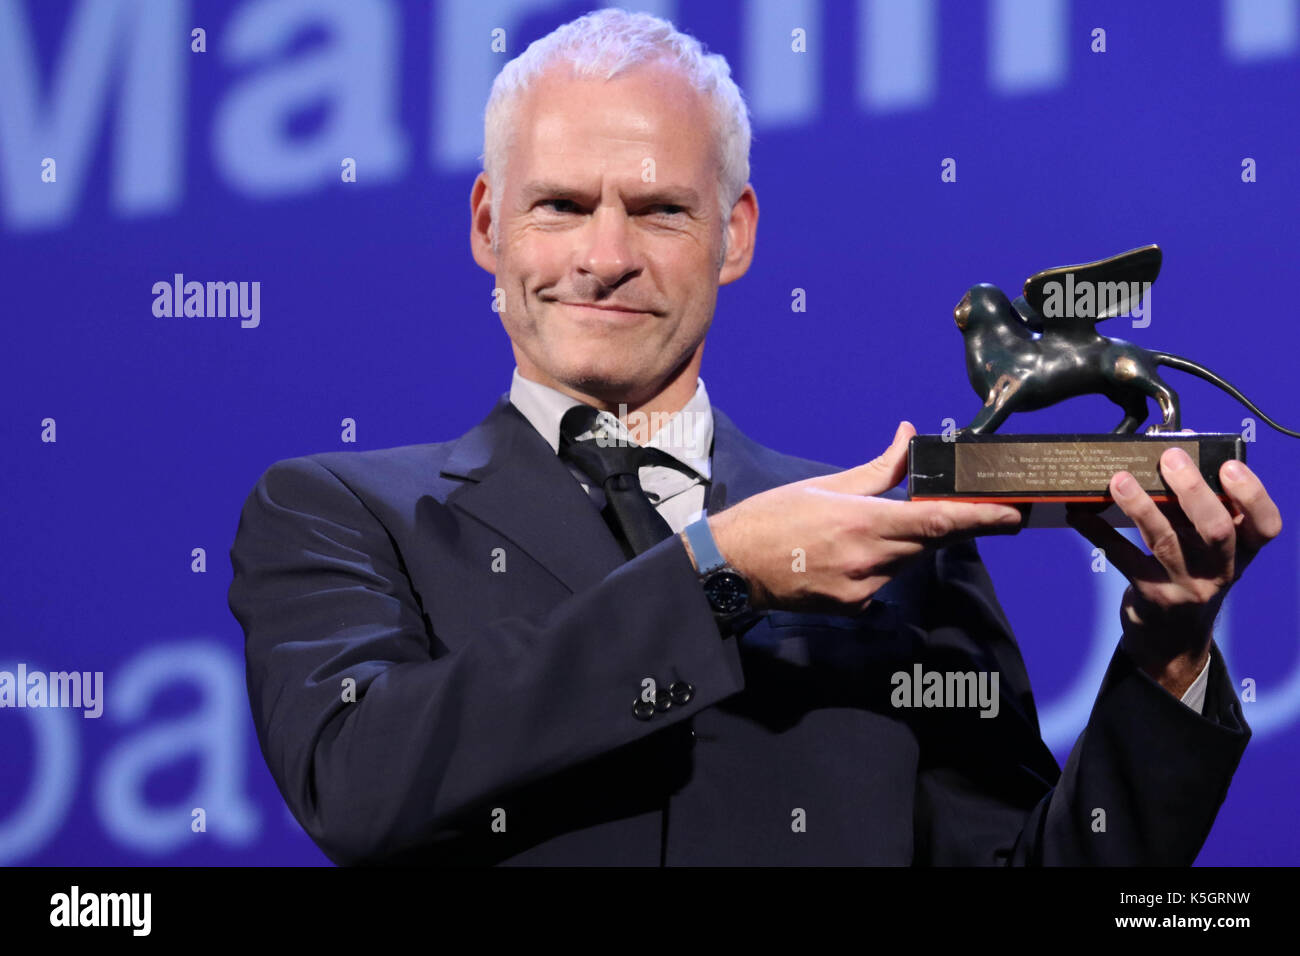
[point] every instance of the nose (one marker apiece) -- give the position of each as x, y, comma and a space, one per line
609, 254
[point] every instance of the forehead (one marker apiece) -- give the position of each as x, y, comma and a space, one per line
591, 127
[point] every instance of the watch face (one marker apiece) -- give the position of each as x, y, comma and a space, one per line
727, 592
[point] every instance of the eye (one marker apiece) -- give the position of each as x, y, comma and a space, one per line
558, 203
669, 209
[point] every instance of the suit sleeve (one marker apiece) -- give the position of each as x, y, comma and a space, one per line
1142, 785
383, 742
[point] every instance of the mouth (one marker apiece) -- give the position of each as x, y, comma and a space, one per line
607, 312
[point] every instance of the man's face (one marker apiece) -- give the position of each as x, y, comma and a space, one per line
611, 199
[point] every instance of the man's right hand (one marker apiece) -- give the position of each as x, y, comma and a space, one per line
852, 543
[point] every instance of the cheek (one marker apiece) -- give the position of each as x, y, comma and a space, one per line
541, 256
520, 308
529, 263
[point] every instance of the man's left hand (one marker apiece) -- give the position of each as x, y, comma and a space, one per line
1198, 549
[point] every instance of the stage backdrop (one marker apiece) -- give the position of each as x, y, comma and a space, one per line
134, 150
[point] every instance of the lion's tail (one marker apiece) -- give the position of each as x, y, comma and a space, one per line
1201, 372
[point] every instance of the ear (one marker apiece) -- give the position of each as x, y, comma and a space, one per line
741, 228
480, 224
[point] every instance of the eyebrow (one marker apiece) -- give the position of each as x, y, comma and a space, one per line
662, 195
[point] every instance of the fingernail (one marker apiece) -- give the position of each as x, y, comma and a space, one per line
1126, 487
1177, 459
1235, 470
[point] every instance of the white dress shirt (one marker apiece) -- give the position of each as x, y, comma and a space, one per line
686, 436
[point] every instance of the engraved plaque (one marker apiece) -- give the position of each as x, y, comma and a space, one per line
1041, 473
1060, 466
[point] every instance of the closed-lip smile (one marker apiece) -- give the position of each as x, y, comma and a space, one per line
603, 308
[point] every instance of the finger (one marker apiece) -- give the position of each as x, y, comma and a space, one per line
1157, 532
1203, 508
1132, 561
1260, 520
1196, 553
895, 552
935, 522
880, 474
1177, 517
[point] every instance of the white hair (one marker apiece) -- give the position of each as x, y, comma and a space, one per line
604, 44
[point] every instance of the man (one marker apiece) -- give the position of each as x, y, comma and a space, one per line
544, 644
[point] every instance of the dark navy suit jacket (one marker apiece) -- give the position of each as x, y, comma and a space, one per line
491, 719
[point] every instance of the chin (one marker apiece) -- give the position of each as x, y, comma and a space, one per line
597, 368
606, 383
600, 383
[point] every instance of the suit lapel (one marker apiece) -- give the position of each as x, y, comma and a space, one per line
741, 466
517, 485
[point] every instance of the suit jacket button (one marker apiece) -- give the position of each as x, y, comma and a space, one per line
663, 702
681, 692
643, 709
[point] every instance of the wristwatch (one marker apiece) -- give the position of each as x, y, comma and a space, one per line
726, 588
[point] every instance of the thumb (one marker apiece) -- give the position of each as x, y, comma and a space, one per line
879, 474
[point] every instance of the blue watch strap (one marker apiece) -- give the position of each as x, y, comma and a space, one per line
707, 556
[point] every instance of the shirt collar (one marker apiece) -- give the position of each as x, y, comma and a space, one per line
687, 435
